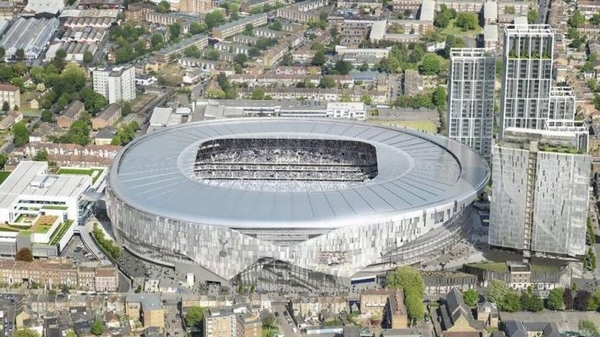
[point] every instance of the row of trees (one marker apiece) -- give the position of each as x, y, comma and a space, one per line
125, 134
411, 282
510, 300
107, 245
436, 99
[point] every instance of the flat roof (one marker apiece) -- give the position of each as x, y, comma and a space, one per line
416, 171
28, 174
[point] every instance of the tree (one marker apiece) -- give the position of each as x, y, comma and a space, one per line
588, 327
512, 302
414, 306
532, 16
555, 299
213, 19
88, 57
276, 25
42, 155
157, 41
175, 30
467, 21
287, 60
443, 17
576, 20
318, 59
364, 67
194, 317
20, 133
197, 28
213, 54
531, 302
258, 94
366, 99
595, 20
439, 97
240, 59
47, 116
126, 109
253, 52
97, 327
496, 291
327, 82
2, 53
430, 65
163, 6
192, 51
5, 106
26, 333
24, 254
581, 301
343, 67
248, 30
411, 281
470, 297
568, 299
268, 321
20, 54
3, 160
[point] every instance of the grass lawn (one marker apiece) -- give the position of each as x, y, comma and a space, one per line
543, 268
60, 232
3, 176
55, 207
500, 267
425, 125
269, 332
94, 173
42, 229
141, 101
457, 31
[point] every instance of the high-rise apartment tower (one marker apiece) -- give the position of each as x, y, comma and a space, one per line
116, 84
527, 76
471, 98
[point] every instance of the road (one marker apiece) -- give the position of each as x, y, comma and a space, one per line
543, 11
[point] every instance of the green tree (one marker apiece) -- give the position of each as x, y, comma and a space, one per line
192, 51
414, 306
496, 291
439, 97
410, 280
318, 59
555, 299
157, 41
287, 60
3, 160
532, 16
595, 20
588, 327
20, 134
240, 59
343, 67
2, 53
42, 155
327, 82
576, 20
467, 21
5, 106
470, 297
364, 67
248, 30
276, 25
197, 28
126, 109
213, 19
258, 94
194, 317
97, 327
366, 99
88, 57
253, 52
512, 302
20, 54
268, 321
213, 54
25, 333
175, 30
443, 17
163, 7
430, 65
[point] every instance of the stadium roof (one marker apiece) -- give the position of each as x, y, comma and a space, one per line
416, 171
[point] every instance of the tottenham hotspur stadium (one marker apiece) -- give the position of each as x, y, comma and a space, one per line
299, 202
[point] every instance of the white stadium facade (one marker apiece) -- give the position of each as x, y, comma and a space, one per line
297, 202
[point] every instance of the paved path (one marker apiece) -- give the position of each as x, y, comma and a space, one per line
86, 237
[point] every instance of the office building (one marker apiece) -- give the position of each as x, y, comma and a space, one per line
527, 77
116, 84
541, 192
471, 99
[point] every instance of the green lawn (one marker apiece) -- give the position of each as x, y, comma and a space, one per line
3, 176
424, 125
43, 229
60, 232
269, 332
94, 173
457, 31
500, 267
55, 207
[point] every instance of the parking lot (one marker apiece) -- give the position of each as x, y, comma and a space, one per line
77, 251
174, 326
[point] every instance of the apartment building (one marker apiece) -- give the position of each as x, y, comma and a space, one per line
70, 114
116, 84
169, 53
471, 98
11, 94
220, 323
145, 308
107, 117
541, 192
527, 78
237, 27
56, 273
387, 304
196, 6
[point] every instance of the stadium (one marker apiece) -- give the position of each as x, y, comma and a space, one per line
295, 202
